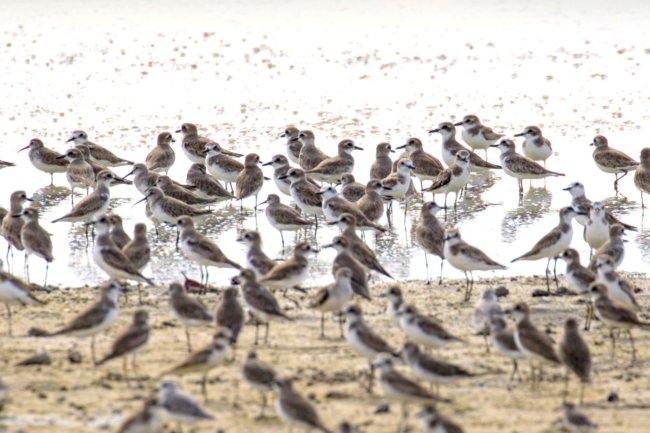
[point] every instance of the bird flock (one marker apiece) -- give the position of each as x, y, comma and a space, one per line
321, 190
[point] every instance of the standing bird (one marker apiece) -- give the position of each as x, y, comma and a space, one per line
173, 190
138, 251
332, 298
188, 310
281, 166
162, 157
618, 288
194, 145
575, 355
79, 173
310, 155
614, 247
12, 225
119, 236
250, 180
229, 313
292, 144
486, 308
220, 165
259, 375
97, 168
14, 291
383, 165
168, 209
503, 340
98, 153
36, 240
131, 341
205, 185
256, 258
581, 203
450, 146
180, 407
535, 146
334, 205
432, 422
147, 420
351, 189
579, 278
611, 160
642, 174
45, 159
395, 302
477, 135
282, 217
331, 169
423, 329
596, 232
371, 204
292, 272
304, 193
346, 259
143, 179
427, 167
296, 410
396, 184
452, 179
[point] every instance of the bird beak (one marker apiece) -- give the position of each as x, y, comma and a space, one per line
17, 215
141, 200
494, 145
458, 123
70, 139
127, 175
60, 157
173, 141
568, 188
434, 130
267, 163
205, 152
332, 223
358, 148
24, 148
264, 202
283, 177
403, 146
29, 199
294, 139
320, 193
521, 134
178, 130
592, 144
328, 246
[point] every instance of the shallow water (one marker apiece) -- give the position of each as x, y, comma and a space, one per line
374, 72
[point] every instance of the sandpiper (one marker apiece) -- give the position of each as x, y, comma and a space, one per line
346, 259
331, 169
486, 307
138, 250
205, 359
611, 160
618, 288
14, 291
575, 355
423, 329
96, 318
119, 236
427, 167
131, 341
383, 165
363, 340
256, 258
188, 310
205, 185
250, 180
477, 135
450, 146
220, 165
194, 145
332, 298
310, 155
335, 205
143, 178
35, 239
281, 166
535, 146
581, 203
198, 248
579, 278
259, 375
100, 154
397, 183
520, 167
432, 370
304, 193
169, 209
291, 272
467, 258
292, 144
161, 157
11, 225
614, 247
294, 409
430, 235
283, 217
372, 203
45, 159
395, 302
503, 340
575, 421
178, 406
431, 421
452, 179
146, 420
79, 173
642, 174
260, 302
596, 232
351, 189
98, 168
229, 313
173, 190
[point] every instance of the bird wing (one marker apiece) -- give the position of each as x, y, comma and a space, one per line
443, 179
537, 342
547, 240
92, 316
372, 340
180, 404
404, 385
130, 340
298, 408
39, 241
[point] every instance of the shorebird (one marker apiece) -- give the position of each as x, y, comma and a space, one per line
161, 157
97, 168
291, 272
143, 179
138, 250
130, 342
432, 422
332, 298
188, 310
486, 307
611, 160
552, 244
229, 313
260, 302
581, 203
575, 355
256, 258
614, 247
169, 209
383, 165
533, 343
45, 159
432, 370
282, 217
427, 167
118, 235
395, 302
11, 225
596, 232
205, 359
250, 180
618, 288
642, 174
521, 167
450, 146
220, 165
205, 185
14, 291
35, 239
467, 258
503, 340
331, 169
371, 204
194, 145
423, 329
396, 184
79, 173
535, 145
351, 189
96, 318
180, 407
173, 190
310, 155
198, 248
477, 135
363, 340
99, 154
292, 144
335, 205
304, 193
452, 179
146, 420
281, 166
579, 278
259, 375
294, 409
575, 421
345, 259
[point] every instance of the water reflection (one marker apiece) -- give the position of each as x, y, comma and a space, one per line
536, 203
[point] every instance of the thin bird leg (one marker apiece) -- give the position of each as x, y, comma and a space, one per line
266, 334
426, 265
582, 391
282, 237
204, 381
557, 284
133, 365
9, 318
322, 325
442, 262
515, 369
257, 332
629, 333
47, 268
521, 187
466, 285
371, 377
92, 349
612, 335
187, 338
588, 316
262, 406
341, 326
126, 374
548, 271
566, 385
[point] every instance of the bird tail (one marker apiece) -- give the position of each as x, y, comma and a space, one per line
554, 173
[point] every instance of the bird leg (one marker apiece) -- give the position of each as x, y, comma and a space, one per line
187, 338
548, 271
426, 265
442, 262
371, 377
92, 349
204, 381
9, 318
629, 333
47, 268
515, 369
266, 334
322, 325
588, 316
257, 332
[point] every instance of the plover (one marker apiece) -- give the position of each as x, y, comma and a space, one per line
35, 239
596, 232
205, 185
520, 167
188, 310
395, 302
486, 307
503, 340
535, 145
131, 341
372, 203
143, 178
431, 421
614, 247
161, 157
363, 340
351, 189
178, 406
98, 168
611, 160
383, 164
618, 288
642, 174
250, 180
575, 421
200, 249
575, 355
281, 166
423, 329
292, 144
96, 318
581, 203
173, 190
332, 298
552, 244
45, 159
11, 225
450, 146
194, 145
452, 179
205, 359
260, 302
119, 236
220, 165
477, 135
304, 193
427, 167
100, 154
310, 155
259, 375
256, 258
229, 313
331, 169
467, 258
168, 209
296, 410
346, 259
397, 183
14, 291
335, 205
78, 173
146, 420
138, 250
579, 278
291, 272
432, 370
282, 217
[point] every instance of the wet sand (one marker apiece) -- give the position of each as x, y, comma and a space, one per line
65, 397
